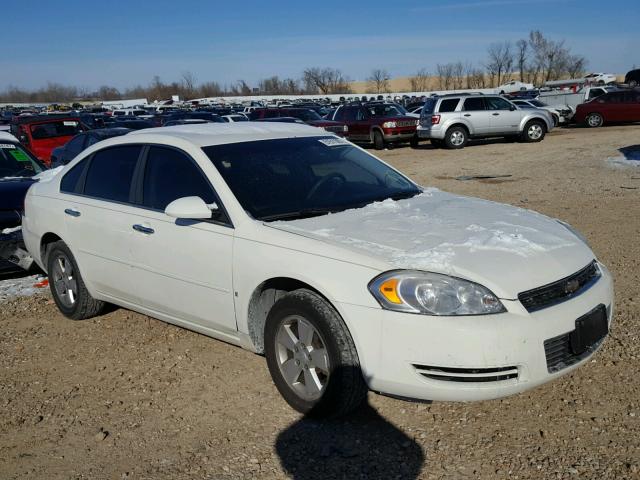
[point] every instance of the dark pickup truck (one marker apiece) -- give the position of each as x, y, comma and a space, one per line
379, 123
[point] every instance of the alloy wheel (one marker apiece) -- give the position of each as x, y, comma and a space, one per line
302, 357
457, 138
535, 131
64, 280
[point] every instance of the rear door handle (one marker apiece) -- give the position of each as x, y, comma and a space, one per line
495, 114
141, 228
467, 114
72, 212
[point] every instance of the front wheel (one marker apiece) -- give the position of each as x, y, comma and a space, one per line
534, 131
312, 357
67, 286
378, 140
414, 142
594, 120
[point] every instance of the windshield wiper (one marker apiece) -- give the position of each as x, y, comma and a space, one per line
298, 214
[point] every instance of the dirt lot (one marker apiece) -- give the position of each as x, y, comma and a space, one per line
126, 396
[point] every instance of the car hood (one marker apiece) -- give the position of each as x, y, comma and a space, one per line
505, 248
325, 123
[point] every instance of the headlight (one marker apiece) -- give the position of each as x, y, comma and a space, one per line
432, 294
345, 128
389, 125
575, 232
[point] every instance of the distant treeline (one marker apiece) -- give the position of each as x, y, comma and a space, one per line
533, 60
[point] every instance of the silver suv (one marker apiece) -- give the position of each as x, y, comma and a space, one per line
451, 120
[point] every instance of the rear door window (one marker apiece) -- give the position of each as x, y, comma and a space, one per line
497, 103
111, 172
473, 104
449, 105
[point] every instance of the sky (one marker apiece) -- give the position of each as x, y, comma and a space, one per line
123, 43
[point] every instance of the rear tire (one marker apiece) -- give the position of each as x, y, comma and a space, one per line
312, 357
456, 137
67, 286
633, 83
534, 131
594, 120
378, 140
414, 142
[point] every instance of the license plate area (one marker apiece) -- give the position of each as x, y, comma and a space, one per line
590, 329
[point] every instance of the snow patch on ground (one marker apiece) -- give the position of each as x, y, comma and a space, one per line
7, 231
630, 157
20, 287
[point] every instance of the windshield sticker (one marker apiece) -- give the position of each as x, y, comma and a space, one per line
7, 145
70, 124
334, 142
19, 155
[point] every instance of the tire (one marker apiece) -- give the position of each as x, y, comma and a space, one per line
556, 120
534, 131
633, 83
378, 140
456, 137
414, 142
437, 143
288, 348
594, 120
65, 277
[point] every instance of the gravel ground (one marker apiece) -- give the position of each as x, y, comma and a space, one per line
126, 396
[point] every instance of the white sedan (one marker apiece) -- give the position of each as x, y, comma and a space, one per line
345, 274
600, 78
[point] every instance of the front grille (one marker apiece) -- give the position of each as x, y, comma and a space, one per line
560, 291
477, 375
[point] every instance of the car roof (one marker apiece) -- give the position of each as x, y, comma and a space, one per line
207, 134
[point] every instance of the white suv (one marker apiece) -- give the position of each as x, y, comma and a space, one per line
451, 120
345, 274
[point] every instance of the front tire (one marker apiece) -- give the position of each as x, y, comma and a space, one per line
378, 140
414, 142
534, 131
67, 286
594, 120
312, 357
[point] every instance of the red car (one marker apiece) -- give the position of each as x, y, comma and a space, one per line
379, 123
41, 134
616, 106
307, 115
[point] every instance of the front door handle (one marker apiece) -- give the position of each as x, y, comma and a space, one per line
142, 229
467, 114
495, 114
72, 212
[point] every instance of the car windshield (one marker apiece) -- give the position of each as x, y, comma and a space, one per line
62, 128
384, 110
291, 178
17, 162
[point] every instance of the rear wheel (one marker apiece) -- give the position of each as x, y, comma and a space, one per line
311, 356
414, 142
378, 140
534, 131
633, 83
594, 120
67, 287
456, 137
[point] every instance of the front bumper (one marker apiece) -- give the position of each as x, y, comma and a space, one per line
397, 135
508, 348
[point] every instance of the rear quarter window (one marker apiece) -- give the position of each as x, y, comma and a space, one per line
448, 105
70, 181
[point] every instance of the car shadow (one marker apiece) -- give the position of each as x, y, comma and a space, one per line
362, 445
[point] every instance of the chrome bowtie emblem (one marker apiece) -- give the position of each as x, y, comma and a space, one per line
571, 286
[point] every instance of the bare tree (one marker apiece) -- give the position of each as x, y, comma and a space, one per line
379, 80
457, 73
420, 81
325, 80
499, 62
522, 51
188, 84
576, 66
445, 75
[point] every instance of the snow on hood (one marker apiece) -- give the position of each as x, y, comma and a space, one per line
504, 247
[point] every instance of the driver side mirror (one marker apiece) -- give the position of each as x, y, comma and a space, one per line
512, 108
190, 207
